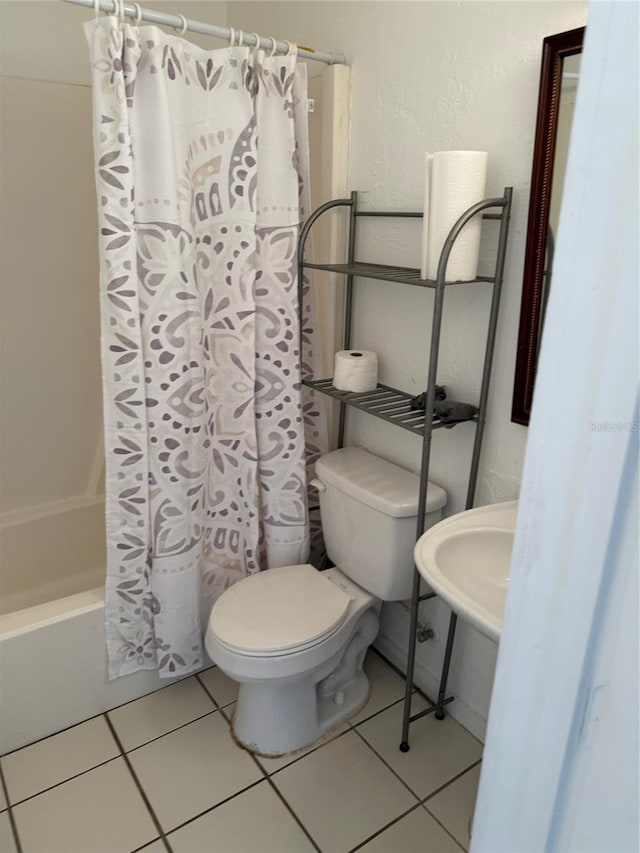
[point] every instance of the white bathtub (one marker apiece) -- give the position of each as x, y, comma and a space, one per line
53, 669
53, 660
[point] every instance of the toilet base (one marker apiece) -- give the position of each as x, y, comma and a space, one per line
288, 701
276, 717
303, 716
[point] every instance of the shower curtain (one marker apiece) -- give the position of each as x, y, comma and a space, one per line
201, 173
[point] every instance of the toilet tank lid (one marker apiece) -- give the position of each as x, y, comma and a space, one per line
376, 482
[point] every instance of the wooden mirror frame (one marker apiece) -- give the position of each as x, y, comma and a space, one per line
555, 49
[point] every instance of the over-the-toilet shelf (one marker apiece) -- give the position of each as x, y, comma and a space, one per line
393, 405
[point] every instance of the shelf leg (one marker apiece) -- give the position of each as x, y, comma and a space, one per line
408, 687
422, 499
342, 424
488, 357
348, 305
439, 714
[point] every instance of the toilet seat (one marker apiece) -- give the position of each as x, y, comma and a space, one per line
278, 611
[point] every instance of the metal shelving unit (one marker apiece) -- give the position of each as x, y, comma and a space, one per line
393, 405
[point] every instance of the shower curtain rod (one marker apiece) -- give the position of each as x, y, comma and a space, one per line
178, 22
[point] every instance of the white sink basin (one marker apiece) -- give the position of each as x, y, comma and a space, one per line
466, 560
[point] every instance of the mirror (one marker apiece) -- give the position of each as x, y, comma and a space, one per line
556, 100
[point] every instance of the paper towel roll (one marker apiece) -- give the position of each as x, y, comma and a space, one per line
458, 180
355, 370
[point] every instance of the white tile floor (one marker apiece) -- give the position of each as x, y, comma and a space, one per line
163, 774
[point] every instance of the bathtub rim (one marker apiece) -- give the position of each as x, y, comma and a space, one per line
19, 622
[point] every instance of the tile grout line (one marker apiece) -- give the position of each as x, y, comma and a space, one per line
383, 828
443, 827
280, 795
289, 808
147, 844
210, 809
310, 752
169, 732
113, 757
421, 802
219, 707
451, 781
141, 790
266, 776
68, 779
12, 819
439, 791
53, 734
386, 764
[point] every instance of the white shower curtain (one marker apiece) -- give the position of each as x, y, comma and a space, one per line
201, 171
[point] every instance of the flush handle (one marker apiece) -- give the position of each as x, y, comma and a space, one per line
318, 485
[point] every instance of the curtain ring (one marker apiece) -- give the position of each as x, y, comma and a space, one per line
240, 38
232, 37
120, 6
96, 8
274, 45
136, 6
257, 38
183, 28
293, 49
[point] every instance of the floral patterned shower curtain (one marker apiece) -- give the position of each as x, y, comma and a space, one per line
201, 171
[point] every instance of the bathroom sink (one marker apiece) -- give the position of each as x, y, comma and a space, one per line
466, 560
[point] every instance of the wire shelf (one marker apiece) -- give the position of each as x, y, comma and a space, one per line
384, 402
383, 272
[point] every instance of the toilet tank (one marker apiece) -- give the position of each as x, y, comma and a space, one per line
369, 510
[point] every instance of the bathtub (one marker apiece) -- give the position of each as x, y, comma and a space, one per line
53, 663
53, 669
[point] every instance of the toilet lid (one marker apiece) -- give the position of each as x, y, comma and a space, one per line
278, 610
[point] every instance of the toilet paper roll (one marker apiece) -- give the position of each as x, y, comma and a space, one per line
355, 370
458, 180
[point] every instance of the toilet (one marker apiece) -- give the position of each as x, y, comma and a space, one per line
294, 637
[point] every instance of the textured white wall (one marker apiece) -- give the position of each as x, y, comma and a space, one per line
430, 76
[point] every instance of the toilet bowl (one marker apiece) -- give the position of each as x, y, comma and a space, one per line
295, 638
302, 673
